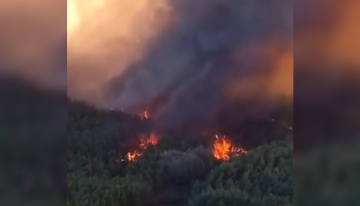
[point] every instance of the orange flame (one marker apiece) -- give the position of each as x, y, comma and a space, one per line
148, 140
223, 149
132, 156
145, 141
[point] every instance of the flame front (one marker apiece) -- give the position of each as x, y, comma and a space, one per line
223, 149
148, 140
145, 141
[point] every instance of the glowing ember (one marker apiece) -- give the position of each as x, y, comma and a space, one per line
144, 115
223, 149
145, 141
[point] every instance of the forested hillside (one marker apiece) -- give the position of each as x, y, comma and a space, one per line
176, 169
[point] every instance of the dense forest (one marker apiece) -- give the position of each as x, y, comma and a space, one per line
177, 169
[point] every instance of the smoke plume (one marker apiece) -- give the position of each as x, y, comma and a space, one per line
184, 61
180, 60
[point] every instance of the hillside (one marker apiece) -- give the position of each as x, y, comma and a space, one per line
169, 169
109, 164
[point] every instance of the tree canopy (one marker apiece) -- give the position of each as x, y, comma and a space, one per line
179, 170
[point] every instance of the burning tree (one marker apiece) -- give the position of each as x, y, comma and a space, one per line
144, 142
223, 149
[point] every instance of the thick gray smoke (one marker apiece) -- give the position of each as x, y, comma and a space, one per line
183, 74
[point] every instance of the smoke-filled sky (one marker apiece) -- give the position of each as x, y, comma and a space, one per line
181, 60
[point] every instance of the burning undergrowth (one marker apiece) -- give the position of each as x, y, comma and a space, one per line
222, 147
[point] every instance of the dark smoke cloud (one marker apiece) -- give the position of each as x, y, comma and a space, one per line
183, 74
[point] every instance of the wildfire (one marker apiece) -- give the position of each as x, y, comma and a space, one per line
148, 140
223, 149
145, 141
132, 156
